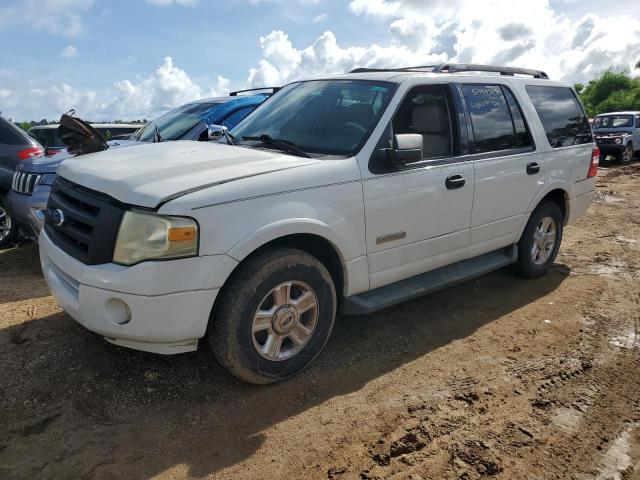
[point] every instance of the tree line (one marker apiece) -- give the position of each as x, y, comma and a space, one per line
611, 92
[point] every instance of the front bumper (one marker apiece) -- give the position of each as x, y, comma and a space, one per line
161, 307
28, 211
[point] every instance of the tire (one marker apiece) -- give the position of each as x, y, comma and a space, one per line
626, 156
532, 263
273, 282
8, 228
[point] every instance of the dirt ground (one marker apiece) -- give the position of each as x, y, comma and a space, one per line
499, 377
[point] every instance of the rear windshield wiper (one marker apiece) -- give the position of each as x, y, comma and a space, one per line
284, 145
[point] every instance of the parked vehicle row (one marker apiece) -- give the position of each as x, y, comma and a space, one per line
34, 177
349, 192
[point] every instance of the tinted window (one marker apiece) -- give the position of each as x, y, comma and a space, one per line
613, 121
236, 117
425, 111
523, 139
490, 118
321, 117
562, 117
10, 135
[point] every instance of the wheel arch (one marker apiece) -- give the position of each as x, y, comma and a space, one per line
313, 237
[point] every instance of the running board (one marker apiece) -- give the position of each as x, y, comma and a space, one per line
429, 282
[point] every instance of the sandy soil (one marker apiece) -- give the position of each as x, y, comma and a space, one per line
499, 377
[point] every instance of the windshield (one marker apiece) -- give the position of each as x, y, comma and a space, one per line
613, 121
319, 117
175, 124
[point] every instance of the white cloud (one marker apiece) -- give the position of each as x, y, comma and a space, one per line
457, 31
69, 52
320, 18
168, 87
166, 3
58, 17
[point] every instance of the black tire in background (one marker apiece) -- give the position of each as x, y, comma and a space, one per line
8, 227
625, 157
530, 264
232, 334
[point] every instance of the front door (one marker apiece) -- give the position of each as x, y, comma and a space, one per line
418, 215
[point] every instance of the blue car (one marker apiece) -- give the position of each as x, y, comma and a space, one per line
33, 178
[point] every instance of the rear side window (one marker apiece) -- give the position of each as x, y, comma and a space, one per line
496, 118
562, 117
10, 135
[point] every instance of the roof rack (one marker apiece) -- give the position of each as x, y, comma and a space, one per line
460, 67
273, 90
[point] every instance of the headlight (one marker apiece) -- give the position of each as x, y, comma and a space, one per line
618, 141
147, 236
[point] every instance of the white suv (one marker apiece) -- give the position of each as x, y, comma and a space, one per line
351, 192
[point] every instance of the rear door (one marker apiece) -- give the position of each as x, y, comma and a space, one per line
508, 169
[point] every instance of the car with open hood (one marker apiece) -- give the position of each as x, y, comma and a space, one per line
33, 179
348, 193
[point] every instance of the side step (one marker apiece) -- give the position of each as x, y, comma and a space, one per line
429, 282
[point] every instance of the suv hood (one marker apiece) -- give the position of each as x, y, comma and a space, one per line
150, 174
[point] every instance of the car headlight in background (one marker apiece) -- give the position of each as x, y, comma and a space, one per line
618, 141
147, 236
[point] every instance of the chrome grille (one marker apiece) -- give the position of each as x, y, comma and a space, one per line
25, 182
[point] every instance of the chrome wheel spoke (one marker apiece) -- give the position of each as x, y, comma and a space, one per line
262, 320
272, 346
282, 294
304, 302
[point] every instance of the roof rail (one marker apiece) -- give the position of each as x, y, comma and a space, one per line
460, 67
471, 67
273, 90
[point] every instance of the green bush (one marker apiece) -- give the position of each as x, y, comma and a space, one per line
610, 92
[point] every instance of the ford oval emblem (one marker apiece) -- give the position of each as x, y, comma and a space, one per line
57, 217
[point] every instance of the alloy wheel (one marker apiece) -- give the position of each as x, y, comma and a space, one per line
544, 241
284, 321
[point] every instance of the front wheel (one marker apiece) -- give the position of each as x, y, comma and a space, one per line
540, 241
275, 315
627, 155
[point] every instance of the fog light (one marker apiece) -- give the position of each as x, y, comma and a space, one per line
117, 311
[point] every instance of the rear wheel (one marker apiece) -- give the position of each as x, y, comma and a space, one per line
275, 316
540, 241
8, 228
627, 155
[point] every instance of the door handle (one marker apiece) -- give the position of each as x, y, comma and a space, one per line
454, 181
533, 168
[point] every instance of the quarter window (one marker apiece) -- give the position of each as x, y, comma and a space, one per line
562, 116
491, 118
10, 135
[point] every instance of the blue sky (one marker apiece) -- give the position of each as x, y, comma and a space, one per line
129, 59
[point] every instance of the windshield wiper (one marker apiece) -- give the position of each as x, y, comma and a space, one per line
156, 136
284, 145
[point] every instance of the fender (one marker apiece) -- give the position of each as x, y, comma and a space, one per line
354, 263
548, 188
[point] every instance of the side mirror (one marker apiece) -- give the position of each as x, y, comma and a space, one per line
407, 148
215, 132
